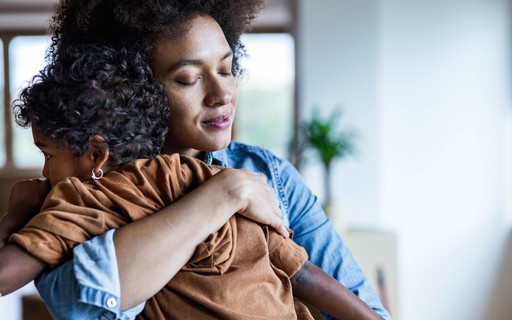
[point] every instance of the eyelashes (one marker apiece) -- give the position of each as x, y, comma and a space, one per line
187, 83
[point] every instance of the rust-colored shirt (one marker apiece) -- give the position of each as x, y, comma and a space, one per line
240, 272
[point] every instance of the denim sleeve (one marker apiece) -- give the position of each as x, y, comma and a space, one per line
86, 287
314, 231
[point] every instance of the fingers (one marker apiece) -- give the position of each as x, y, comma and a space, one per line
278, 224
282, 230
36, 188
258, 198
41, 186
278, 211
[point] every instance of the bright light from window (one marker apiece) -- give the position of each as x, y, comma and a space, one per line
266, 92
26, 55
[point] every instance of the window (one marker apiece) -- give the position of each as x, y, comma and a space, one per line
266, 92
26, 59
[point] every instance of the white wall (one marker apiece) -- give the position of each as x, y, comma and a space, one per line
338, 67
427, 83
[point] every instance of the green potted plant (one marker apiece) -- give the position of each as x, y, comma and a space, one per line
323, 136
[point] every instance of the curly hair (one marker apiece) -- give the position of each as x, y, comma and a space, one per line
137, 24
98, 90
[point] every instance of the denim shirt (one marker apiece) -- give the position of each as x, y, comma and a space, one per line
87, 287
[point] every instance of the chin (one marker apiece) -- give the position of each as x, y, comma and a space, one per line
216, 146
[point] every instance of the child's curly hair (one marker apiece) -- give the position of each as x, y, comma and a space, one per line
137, 24
98, 90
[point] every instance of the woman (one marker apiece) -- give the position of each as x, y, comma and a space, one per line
106, 174
193, 48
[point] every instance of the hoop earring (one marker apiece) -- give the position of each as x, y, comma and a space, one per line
94, 177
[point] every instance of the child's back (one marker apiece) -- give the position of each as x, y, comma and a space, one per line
242, 271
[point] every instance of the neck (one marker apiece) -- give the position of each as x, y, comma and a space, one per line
183, 151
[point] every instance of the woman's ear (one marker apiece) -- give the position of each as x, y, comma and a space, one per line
99, 152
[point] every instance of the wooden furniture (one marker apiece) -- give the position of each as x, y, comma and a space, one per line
34, 308
376, 253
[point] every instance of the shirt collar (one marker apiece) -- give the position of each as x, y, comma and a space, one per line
218, 158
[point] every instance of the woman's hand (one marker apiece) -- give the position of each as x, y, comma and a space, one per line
25, 201
256, 197
172, 234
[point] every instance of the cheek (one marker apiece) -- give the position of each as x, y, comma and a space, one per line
81, 168
180, 122
57, 174
185, 107
83, 173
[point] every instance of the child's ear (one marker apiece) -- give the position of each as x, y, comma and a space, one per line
98, 151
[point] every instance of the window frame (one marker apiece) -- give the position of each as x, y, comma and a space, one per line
9, 169
290, 27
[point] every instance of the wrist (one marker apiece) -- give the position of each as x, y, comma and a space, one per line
227, 191
12, 222
4, 236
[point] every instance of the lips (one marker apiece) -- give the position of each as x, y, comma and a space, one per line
221, 122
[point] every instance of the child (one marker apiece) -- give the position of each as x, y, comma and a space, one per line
101, 110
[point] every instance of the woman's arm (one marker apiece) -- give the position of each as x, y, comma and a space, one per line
317, 288
152, 250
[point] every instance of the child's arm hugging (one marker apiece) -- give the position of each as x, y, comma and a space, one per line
25, 201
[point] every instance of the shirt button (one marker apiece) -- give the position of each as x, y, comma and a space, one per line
111, 302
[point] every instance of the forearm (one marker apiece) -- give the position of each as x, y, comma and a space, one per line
9, 224
315, 287
152, 250
17, 268
6, 228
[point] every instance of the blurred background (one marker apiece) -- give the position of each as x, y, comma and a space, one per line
425, 201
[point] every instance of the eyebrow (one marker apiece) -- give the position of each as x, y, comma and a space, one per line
196, 62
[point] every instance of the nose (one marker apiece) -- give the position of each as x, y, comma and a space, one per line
218, 93
44, 172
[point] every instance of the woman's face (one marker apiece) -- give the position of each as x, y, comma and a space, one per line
195, 69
